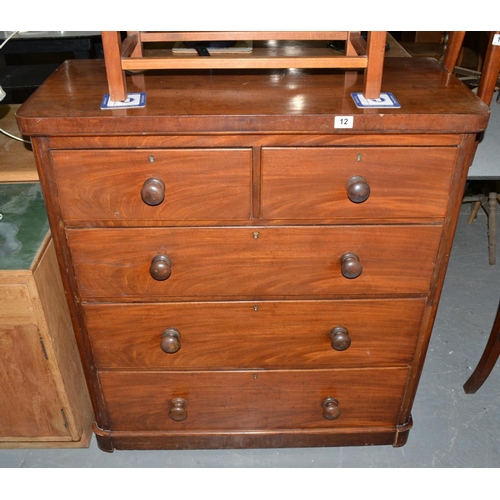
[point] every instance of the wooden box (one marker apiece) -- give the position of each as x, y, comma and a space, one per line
44, 402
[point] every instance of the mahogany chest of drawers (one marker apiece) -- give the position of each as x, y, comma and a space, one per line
240, 271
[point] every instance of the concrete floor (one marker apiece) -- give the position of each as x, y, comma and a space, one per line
451, 429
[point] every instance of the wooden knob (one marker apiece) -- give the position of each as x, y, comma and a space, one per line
340, 338
153, 192
170, 340
177, 409
350, 265
331, 410
358, 189
161, 268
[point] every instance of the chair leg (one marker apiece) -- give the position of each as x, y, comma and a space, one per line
492, 227
116, 76
473, 212
488, 359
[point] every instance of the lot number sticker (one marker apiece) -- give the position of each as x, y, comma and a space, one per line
344, 122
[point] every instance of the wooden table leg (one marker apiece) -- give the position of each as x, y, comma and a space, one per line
488, 359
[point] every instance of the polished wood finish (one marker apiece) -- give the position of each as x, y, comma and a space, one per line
270, 334
268, 98
313, 261
275, 346
296, 184
255, 399
130, 54
116, 188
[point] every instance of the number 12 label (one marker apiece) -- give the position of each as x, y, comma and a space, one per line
343, 122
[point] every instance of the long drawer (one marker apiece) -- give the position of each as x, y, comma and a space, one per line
309, 261
253, 400
157, 185
356, 183
210, 336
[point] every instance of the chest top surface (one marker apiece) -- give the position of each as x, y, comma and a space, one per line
279, 101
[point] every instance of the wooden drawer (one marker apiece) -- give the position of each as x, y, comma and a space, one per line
252, 262
310, 183
254, 334
198, 184
253, 399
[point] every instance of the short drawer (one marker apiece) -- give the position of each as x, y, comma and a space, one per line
295, 334
272, 262
156, 185
361, 184
253, 400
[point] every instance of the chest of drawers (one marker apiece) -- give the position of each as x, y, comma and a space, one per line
240, 272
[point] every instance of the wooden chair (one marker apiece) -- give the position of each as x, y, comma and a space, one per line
488, 82
482, 167
130, 55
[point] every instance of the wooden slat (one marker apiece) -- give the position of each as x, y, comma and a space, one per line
243, 62
129, 45
358, 43
196, 36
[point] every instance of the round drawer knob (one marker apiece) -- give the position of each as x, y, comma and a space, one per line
331, 410
340, 338
358, 189
170, 340
351, 266
161, 268
153, 192
177, 409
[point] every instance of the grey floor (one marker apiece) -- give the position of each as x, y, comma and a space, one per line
451, 429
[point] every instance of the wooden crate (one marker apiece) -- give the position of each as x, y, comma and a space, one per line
44, 399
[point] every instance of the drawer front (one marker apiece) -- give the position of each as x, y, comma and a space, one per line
401, 183
156, 185
208, 336
252, 262
252, 399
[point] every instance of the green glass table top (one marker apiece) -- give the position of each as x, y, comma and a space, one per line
23, 224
